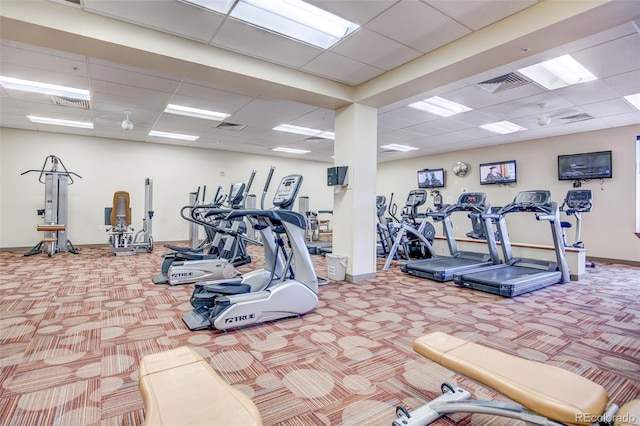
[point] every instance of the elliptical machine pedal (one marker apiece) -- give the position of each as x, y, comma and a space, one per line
198, 319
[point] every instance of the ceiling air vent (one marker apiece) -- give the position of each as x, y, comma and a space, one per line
69, 102
576, 117
230, 126
504, 82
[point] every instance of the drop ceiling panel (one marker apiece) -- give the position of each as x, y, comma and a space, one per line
210, 99
479, 13
371, 48
612, 58
109, 92
262, 44
341, 68
62, 77
632, 118
608, 108
625, 84
194, 23
417, 25
586, 93
130, 78
473, 97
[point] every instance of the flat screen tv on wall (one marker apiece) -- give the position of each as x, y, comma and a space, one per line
431, 178
589, 165
500, 172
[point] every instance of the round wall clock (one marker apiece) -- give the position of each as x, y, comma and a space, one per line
460, 169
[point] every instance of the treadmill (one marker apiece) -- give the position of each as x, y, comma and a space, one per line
517, 276
442, 268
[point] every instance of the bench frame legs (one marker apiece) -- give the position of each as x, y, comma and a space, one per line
458, 400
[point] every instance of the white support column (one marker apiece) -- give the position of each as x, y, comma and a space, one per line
354, 212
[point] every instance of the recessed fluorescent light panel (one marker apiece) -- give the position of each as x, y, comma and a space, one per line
397, 147
634, 100
559, 72
44, 88
503, 127
291, 150
195, 112
173, 136
295, 19
304, 131
440, 106
59, 122
220, 6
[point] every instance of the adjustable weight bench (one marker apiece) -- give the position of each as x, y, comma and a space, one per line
179, 387
543, 394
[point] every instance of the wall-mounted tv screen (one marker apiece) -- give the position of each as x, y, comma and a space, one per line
500, 172
431, 178
590, 165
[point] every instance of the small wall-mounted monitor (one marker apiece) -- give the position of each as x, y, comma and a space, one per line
431, 178
337, 176
500, 172
590, 165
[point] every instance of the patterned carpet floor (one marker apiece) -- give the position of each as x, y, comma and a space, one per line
73, 328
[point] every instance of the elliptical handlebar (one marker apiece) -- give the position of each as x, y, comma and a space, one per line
247, 188
266, 186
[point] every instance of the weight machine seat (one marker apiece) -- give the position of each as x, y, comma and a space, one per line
52, 228
550, 391
120, 209
179, 387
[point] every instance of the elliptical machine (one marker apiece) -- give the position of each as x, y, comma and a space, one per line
413, 235
226, 249
291, 287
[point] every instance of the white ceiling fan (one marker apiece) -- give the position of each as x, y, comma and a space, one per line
126, 124
544, 118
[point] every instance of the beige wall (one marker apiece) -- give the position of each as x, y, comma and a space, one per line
607, 231
108, 165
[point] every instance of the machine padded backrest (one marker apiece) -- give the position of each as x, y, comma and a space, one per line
553, 392
120, 208
179, 387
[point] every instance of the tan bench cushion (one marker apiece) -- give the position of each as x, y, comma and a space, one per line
550, 391
179, 387
629, 414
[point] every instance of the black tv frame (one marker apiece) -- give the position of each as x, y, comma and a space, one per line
588, 160
507, 173
439, 175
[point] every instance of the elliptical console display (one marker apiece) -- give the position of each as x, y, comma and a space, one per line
287, 191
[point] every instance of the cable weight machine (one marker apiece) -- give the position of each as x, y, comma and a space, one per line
56, 180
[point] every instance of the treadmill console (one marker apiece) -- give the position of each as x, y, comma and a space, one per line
529, 200
579, 200
417, 197
472, 199
287, 191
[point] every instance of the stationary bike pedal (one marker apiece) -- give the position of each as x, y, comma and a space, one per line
198, 319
